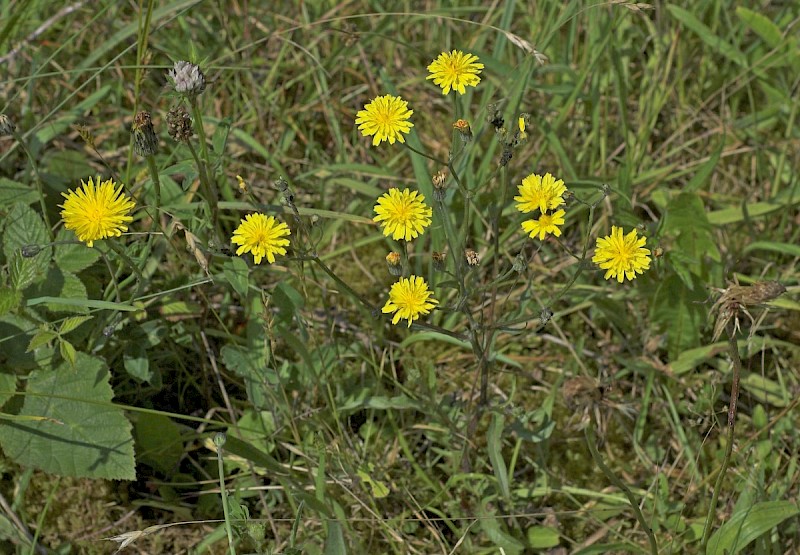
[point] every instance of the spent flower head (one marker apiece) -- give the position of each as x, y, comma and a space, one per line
262, 235
145, 141
403, 215
96, 210
545, 225
7, 126
187, 78
408, 299
540, 193
622, 256
455, 71
385, 119
179, 124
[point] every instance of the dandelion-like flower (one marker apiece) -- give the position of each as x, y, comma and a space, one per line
262, 235
542, 193
622, 256
403, 215
385, 119
546, 224
455, 70
187, 78
96, 210
408, 299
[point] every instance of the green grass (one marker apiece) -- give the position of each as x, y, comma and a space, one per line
346, 434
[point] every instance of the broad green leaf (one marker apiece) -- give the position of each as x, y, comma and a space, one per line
252, 366
493, 529
761, 24
8, 386
12, 192
62, 286
72, 256
704, 33
136, 361
67, 351
746, 526
246, 450
701, 177
334, 542
72, 323
15, 336
95, 440
494, 446
42, 337
676, 308
765, 390
24, 227
542, 537
236, 274
735, 214
9, 299
158, 442
258, 427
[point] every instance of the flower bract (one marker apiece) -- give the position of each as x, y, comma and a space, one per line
622, 256
261, 235
455, 70
542, 193
403, 215
96, 210
546, 224
408, 299
385, 119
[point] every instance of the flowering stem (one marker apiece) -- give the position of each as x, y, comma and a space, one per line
127, 259
208, 189
151, 165
219, 441
197, 115
733, 351
590, 441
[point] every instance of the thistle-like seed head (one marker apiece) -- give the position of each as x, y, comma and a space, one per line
187, 78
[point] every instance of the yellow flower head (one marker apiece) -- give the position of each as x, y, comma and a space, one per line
385, 119
542, 193
547, 223
622, 256
262, 235
455, 70
96, 211
403, 215
408, 298
522, 134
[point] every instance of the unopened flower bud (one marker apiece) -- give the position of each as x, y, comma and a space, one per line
187, 78
242, 184
30, 251
495, 116
393, 263
219, 439
439, 261
463, 128
520, 263
7, 126
145, 141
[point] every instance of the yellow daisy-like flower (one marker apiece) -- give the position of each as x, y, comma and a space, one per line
455, 70
403, 215
97, 210
547, 223
408, 298
542, 193
385, 119
622, 256
262, 235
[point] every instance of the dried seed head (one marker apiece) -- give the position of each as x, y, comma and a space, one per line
179, 124
7, 126
145, 141
736, 298
507, 155
472, 257
439, 261
440, 177
495, 117
187, 78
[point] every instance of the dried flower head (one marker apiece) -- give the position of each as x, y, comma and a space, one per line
455, 70
145, 141
495, 117
187, 78
179, 124
7, 126
472, 257
385, 119
439, 261
737, 298
403, 215
393, 262
622, 256
408, 299
262, 235
96, 211
440, 177
464, 130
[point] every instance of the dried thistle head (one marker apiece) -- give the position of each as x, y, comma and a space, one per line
7, 126
736, 299
145, 141
179, 124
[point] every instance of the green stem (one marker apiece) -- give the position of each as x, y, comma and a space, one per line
733, 351
127, 259
219, 441
197, 115
151, 165
39, 182
590, 441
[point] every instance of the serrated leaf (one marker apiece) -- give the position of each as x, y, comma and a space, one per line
73, 256
24, 227
62, 285
236, 273
95, 440
8, 386
9, 299
12, 192
72, 323
67, 351
42, 337
747, 525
